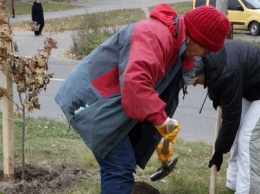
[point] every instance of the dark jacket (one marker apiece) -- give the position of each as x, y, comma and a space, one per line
37, 12
231, 74
129, 83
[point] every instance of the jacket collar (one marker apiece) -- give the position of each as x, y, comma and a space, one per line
214, 64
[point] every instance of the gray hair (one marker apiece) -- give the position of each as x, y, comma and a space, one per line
198, 65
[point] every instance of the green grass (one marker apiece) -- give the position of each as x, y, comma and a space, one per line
25, 8
253, 42
88, 21
48, 6
98, 20
50, 141
182, 7
192, 174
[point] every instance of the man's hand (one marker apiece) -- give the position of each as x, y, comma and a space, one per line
170, 136
216, 159
164, 157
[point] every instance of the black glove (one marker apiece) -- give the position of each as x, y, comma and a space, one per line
216, 159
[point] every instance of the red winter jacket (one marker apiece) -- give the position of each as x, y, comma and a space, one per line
123, 81
153, 49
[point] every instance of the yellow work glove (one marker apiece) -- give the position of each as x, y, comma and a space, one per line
164, 157
171, 136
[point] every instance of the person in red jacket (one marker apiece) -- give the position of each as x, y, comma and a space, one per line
122, 95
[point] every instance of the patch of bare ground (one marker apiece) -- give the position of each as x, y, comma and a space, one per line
144, 188
56, 178
42, 180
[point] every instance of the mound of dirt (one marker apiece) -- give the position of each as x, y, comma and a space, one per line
39, 180
143, 188
56, 178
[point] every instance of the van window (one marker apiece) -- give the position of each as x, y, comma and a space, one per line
233, 4
252, 4
213, 3
200, 2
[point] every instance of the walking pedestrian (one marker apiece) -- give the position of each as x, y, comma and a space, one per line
38, 16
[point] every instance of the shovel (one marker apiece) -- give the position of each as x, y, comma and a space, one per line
213, 172
166, 167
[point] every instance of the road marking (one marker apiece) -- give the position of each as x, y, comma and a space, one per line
61, 80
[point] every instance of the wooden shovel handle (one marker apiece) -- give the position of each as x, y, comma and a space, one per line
166, 143
213, 172
213, 179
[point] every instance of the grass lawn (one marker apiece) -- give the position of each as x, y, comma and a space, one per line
50, 141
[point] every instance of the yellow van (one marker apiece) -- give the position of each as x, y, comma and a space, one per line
243, 14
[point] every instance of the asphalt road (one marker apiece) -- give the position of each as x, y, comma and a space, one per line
194, 126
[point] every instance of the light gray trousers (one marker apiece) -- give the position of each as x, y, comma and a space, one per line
243, 173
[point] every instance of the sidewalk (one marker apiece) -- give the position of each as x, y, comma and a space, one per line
94, 6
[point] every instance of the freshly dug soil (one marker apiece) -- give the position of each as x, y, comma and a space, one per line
39, 180
143, 188
56, 178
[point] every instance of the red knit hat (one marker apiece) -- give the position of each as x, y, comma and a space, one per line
207, 26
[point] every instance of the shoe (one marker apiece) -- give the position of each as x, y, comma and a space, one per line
40, 34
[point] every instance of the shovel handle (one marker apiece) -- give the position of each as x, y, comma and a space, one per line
213, 172
213, 179
166, 143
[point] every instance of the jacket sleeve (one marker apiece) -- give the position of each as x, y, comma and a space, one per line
230, 99
146, 65
33, 13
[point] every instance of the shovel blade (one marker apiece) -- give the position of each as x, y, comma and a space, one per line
165, 169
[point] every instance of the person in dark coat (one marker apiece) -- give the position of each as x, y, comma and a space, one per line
38, 16
232, 77
121, 97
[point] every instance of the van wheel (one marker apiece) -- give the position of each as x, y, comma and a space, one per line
254, 28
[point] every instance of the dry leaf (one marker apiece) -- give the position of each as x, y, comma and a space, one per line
29, 73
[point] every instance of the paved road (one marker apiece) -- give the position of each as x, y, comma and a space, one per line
195, 126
